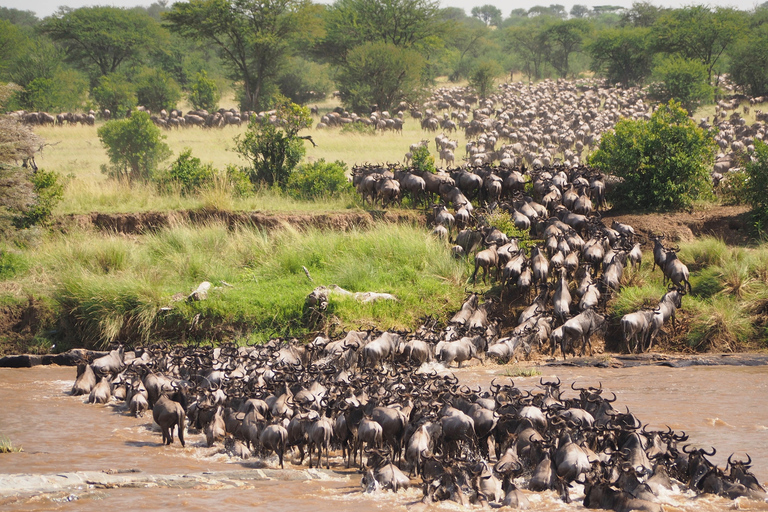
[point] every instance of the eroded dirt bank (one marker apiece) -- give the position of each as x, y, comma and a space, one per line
142, 222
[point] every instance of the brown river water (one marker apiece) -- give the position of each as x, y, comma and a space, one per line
721, 406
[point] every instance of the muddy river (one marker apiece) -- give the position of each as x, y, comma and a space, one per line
721, 406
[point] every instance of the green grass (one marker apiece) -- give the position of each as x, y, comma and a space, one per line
727, 309
108, 287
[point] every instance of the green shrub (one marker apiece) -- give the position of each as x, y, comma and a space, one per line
303, 81
757, 185
682, 80
483, 77
49, 190
274, 149
319, 179
156, 90
502, 221
204, 94
240, 181
423, 161
116, 94
664, 161
135, 147
187, 174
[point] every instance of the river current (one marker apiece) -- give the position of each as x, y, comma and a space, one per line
720, 406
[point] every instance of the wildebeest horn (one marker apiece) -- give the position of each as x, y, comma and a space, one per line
613, 400
685, 448
575, 388
709, 454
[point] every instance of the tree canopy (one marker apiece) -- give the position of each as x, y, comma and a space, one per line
401, 23
253, 37
104, 37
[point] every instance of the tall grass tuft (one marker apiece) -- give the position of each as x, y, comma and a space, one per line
704, 252
7, 447
719, 323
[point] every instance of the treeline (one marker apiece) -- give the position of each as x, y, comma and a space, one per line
374, 52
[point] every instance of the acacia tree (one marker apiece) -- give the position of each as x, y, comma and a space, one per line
622, 55
531, 44
401, 23
104, 37
253, 37
488, 14
699, 33
381, 74
664, 161
565, 38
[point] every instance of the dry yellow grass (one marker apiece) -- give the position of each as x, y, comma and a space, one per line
77, 153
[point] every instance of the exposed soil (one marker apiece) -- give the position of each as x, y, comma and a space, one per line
728, 223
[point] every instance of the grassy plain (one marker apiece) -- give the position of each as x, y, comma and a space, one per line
76, 153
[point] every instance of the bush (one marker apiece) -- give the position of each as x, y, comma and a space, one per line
358, 129
756, 184
423, 161
682, 80
239, 180
116, 94
304, 81
204, 94
483, 76
664, 162
156, 90
135, 147
49, 190
274, 149
187, 173
319, 179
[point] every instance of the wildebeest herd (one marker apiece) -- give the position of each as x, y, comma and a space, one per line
571, 272
404, 425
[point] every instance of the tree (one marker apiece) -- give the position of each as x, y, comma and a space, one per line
104, 37
400, 23
303, 81
382, 74
116, 94
683, 80
488, 14
204, 94
642, 14
749, 62
253, 37
483, 77
664, 162
699, 33
531, 44
273, 145
622, 55
565, 38
156, 90
579, 11
19, 18
135, 147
